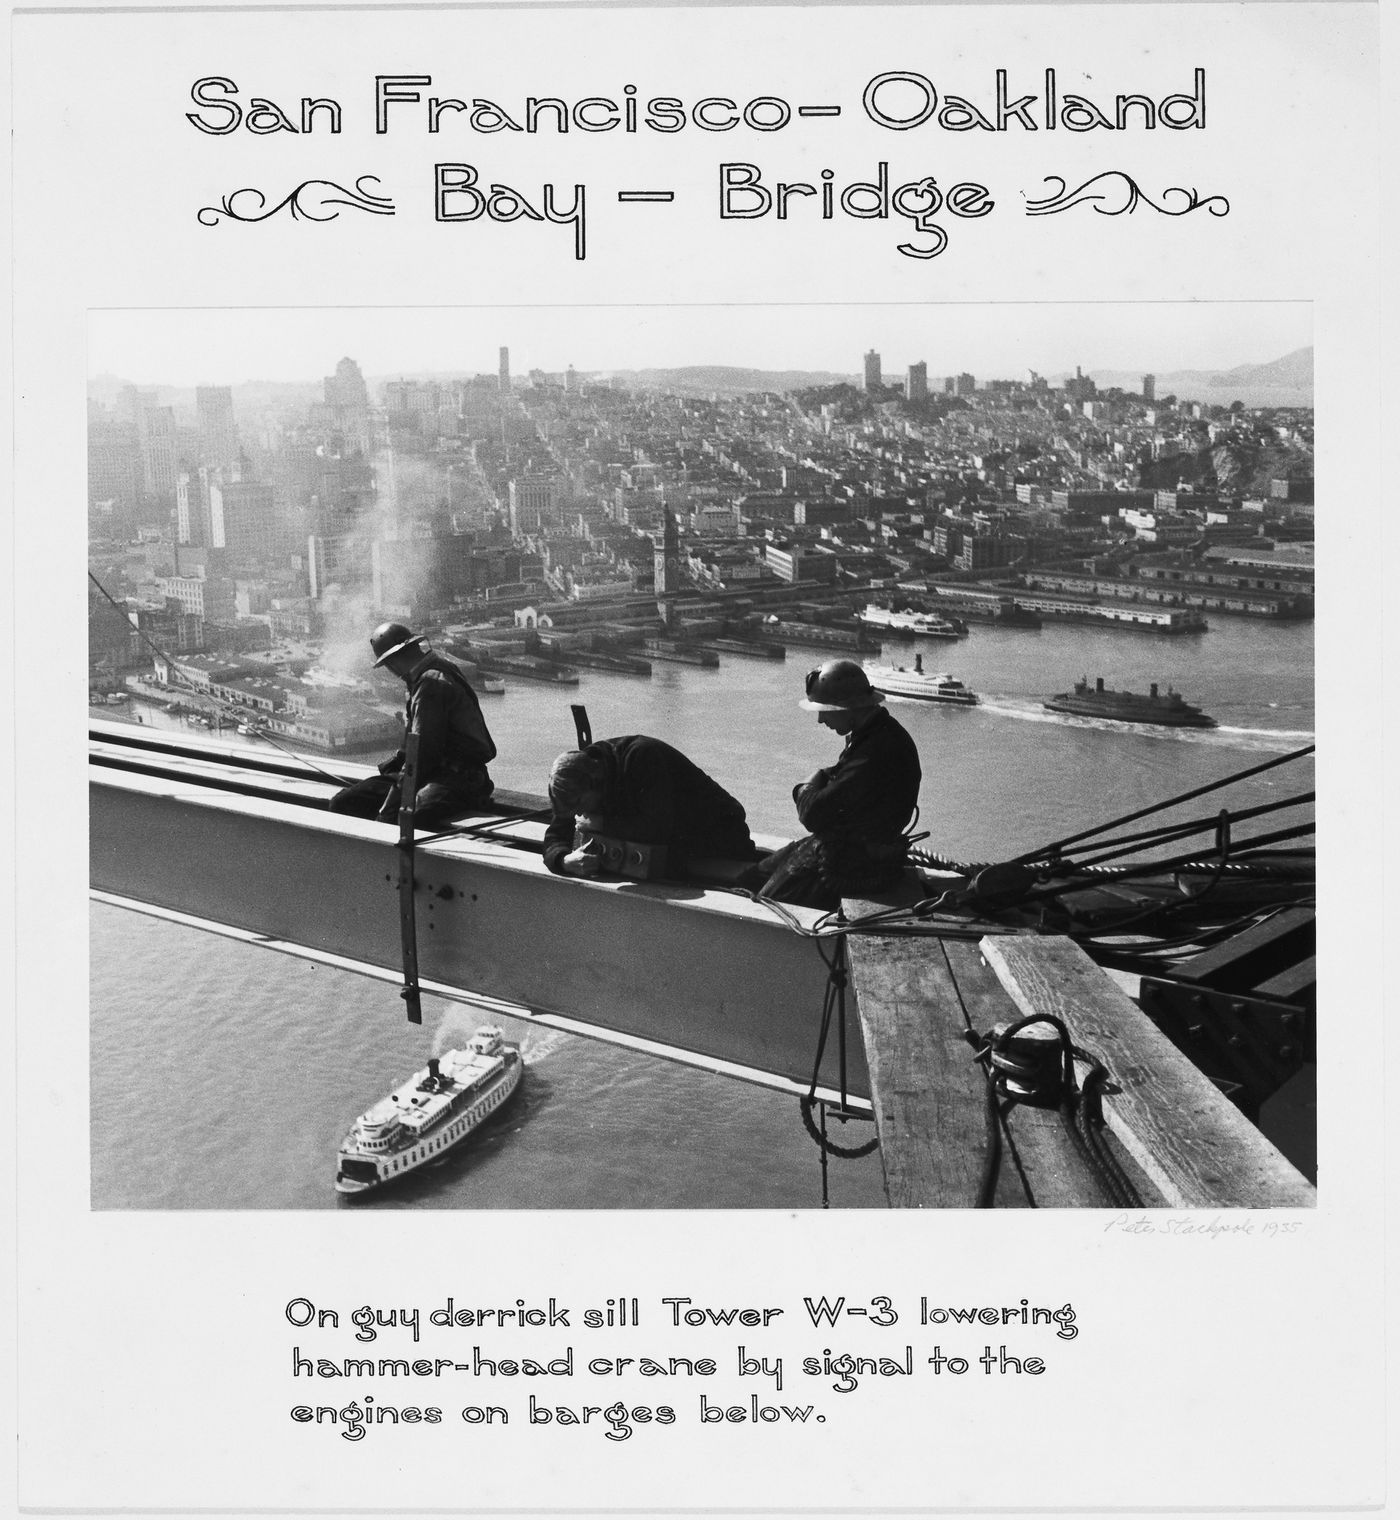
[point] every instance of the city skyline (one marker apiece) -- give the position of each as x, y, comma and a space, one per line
184, 348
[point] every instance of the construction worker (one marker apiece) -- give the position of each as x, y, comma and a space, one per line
454, 746
856, 811
647, 792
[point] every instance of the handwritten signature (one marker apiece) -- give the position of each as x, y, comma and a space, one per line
1212, 1226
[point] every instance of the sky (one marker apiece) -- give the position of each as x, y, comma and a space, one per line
230, 346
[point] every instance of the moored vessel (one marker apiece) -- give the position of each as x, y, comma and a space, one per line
924, 686
430, 1114
1169, 709
919, 625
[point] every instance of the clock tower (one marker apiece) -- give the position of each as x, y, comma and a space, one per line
667, 560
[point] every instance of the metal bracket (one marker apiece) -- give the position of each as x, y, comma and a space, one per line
408, 927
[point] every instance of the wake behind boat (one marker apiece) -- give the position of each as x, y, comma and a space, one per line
431, 1113
900, 681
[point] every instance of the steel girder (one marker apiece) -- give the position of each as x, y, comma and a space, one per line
706, 975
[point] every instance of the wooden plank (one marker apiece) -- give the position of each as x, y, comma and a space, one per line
1197, 1148
918, 999
1047, 1161
928, 1092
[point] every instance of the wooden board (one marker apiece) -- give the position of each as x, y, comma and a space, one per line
1197, 1148
918, 999
929, 1095
1047, 1164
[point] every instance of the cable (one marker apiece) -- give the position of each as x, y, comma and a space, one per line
833, 1001
1159, 867
1157, 807
1172, 832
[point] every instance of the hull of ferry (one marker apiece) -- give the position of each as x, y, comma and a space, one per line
897, 681
426, 1118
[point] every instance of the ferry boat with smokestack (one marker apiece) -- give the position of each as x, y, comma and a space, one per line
922, 685
1169, 709
430, 1114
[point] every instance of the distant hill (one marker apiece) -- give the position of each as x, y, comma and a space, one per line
1287, 381
722, 380
1294, 370
1281, 382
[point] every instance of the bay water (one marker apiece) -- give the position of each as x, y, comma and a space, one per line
224, 1076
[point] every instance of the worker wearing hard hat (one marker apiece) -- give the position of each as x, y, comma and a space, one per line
454, 745
645, 791
857, 811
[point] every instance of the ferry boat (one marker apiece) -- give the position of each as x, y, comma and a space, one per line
922, 625
900, 681
1170, 710
428, 1115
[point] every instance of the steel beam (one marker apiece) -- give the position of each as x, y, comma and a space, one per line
708, 974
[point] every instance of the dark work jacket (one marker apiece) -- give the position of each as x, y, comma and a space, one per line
443, 711
653, 794
859, 808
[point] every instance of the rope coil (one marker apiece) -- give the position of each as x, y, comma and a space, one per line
833, 1002
1039, 1071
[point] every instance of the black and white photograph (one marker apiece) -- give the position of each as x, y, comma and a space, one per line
781, 709
698, 707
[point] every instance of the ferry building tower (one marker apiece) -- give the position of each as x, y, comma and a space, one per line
667, 562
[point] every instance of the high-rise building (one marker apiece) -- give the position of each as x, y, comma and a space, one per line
193, 524
667, 557
872, 371
347, 388
531, 504
114, 464
156, 432
1149, 387
218, 434
410, 576
504, 370
332, 561
666, 576
420, 396
917, 388
347, 402
1081, 387
964, 384
246, 521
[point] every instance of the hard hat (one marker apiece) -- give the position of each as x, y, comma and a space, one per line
839, 685
389, 638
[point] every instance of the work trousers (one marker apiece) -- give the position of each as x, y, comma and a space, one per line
439, 801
